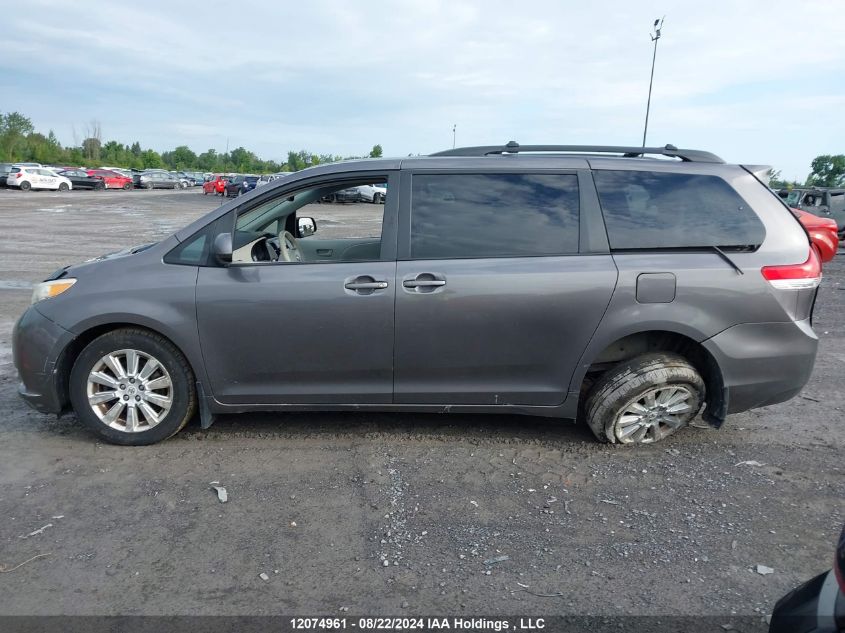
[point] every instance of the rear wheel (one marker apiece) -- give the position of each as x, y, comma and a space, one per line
25, 185
132, 387
645, 399
63, 186
376, 198
99, 186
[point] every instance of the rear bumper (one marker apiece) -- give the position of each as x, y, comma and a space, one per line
37, 345
764, 363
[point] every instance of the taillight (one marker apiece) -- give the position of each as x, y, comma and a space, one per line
795, 276
19, 175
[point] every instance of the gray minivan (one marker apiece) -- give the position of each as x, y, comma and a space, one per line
631, 288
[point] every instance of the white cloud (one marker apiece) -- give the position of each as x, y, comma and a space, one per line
744, 79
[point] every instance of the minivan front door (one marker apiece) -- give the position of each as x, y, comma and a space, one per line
494, 303
306, 328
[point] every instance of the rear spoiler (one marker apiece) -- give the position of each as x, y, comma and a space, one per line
763, 173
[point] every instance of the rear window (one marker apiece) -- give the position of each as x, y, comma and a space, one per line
669, 210
493, 215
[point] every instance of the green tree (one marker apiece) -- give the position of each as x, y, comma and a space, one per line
151, 159
180, 158
91, 149
375, 152
14, 127
828, 171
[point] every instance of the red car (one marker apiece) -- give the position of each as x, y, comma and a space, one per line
112, 179
217, 185
822, 232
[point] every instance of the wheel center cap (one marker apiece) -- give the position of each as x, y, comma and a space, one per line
131, 391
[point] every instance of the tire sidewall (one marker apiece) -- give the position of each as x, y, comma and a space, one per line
184, 400
640, 375
25, 186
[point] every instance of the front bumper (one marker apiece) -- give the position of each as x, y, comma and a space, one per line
764, 363
37, 346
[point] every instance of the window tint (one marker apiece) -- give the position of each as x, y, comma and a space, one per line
669, 210
493, 215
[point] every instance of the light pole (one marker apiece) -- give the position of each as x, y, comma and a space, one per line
658, 25
454, 131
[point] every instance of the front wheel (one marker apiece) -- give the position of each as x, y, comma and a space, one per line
127, 186
645, 399
149, 185
132, 387
63, 186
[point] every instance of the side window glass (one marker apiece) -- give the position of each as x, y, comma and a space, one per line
654, 210
331, 222
493, 215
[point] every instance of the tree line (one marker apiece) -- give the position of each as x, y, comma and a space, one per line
19, 142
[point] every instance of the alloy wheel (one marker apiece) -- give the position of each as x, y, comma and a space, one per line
653, 415
129, 390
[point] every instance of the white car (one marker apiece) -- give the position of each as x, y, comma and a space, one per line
372, 193
26, 178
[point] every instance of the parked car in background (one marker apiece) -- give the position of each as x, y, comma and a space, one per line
112, 179
820, 201
268, 178
823, 233
362, 193
240, 185
196, 178
157, 179
81, 180
216, 184
29, 165
817, 606
118, 170
26, 178
5, 168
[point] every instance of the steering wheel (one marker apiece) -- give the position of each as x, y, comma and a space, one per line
290, 250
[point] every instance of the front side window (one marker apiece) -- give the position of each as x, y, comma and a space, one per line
493, 215
338, 221
658, 210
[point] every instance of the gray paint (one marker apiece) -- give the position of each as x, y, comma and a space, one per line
501, 335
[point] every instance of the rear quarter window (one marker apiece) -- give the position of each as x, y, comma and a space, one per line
658, 210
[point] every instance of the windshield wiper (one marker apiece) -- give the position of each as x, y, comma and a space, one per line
724, 256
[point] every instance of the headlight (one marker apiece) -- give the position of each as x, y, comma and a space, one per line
48, 289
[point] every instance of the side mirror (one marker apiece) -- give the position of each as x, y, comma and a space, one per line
222, 248
305, 227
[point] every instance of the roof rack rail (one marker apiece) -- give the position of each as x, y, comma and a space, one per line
687, 155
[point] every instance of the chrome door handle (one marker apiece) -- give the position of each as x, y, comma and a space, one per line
366, 285
423, 283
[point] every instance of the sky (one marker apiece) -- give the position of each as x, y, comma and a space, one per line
755, 82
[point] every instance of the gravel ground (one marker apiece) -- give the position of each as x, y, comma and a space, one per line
397, 514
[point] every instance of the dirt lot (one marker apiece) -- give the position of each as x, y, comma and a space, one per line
396, 514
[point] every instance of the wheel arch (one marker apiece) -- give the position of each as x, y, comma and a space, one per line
71, 352
634, 344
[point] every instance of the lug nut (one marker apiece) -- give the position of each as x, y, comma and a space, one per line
123, 386
137, 398
140, 387
126, 397
132, 381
